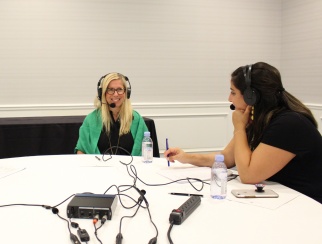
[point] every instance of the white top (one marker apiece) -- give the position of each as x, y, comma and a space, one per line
49, 180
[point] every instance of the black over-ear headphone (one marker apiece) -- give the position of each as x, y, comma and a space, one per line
100, 88
251, 95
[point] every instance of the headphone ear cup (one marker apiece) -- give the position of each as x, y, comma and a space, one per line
251, 96
128, 89
100, 88
99, 91
128, 93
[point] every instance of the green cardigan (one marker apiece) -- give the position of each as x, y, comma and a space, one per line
90, 131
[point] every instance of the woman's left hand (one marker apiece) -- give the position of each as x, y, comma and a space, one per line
241, 118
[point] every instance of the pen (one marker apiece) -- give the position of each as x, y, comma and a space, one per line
185, 194
167, 147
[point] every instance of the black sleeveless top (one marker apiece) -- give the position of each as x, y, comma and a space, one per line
113, 144
294, 133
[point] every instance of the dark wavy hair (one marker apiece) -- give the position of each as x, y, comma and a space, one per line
271, 100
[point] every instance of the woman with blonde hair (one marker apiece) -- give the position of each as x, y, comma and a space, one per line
113, 127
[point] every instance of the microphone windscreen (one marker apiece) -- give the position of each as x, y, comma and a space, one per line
232, 107
112, 105
55, 210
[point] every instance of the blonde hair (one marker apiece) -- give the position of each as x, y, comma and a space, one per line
126, 111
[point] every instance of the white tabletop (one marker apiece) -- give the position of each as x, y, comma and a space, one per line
49, 180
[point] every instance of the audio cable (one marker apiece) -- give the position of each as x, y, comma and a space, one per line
190, 180
72, 236
107, 152
119, 236
54, 210
168, 233
132, 172
82, 233
179, 215
95, 220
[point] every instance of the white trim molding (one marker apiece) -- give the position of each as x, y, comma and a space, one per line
197, 127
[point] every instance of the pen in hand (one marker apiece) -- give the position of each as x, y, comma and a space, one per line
167, 147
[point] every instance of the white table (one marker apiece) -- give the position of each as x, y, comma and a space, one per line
49, 180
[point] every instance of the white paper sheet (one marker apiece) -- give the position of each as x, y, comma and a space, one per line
201, 173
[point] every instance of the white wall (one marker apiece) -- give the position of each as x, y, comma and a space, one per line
54, 52
301, 57
301, 49
177, 54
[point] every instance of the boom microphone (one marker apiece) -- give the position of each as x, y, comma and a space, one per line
232, 107
112, 105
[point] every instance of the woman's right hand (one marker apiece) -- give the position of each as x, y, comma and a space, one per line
174, 153
241, 118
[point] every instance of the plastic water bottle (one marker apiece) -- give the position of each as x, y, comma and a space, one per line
147, 148
218, 186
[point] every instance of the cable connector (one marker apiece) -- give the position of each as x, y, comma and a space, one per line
119, 238
74, 224
46, 206
153, 240
103, 220
95, 219
83, 235
74, 239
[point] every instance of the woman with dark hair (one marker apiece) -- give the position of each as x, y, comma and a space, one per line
275, 135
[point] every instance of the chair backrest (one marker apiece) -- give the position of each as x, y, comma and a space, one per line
30, 136
151, 126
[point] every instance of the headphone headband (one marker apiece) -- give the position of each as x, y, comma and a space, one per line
247, 74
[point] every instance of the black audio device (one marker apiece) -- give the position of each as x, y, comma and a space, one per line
86, 206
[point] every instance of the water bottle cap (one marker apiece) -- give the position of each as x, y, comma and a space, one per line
147, 133
219, 157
